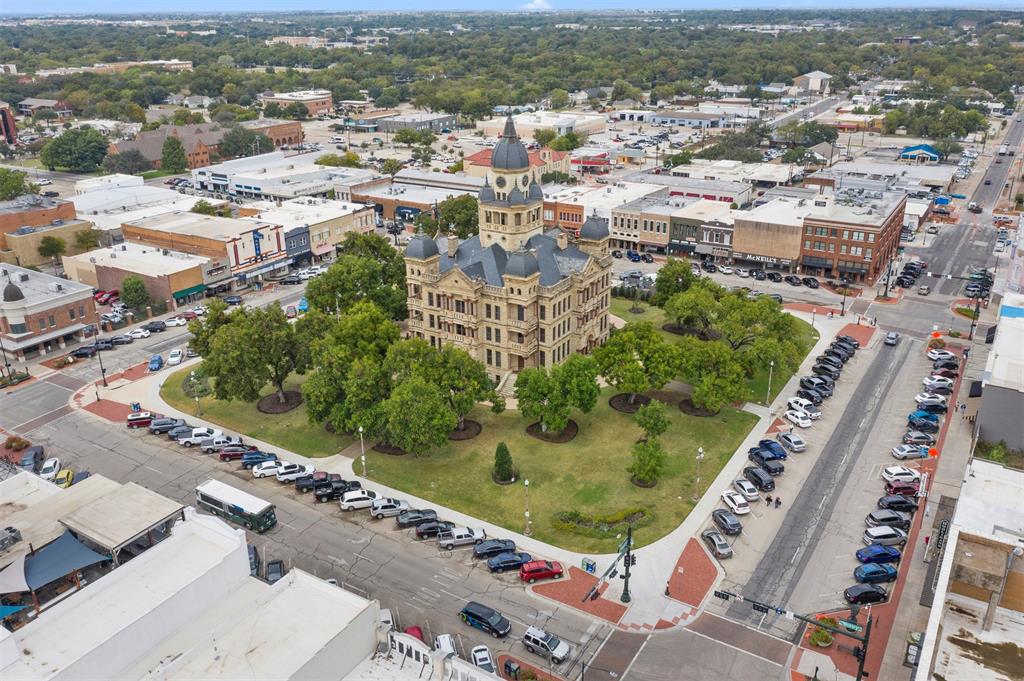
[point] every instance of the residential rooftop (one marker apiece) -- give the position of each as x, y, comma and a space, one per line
141, 258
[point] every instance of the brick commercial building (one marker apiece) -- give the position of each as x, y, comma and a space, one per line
435, 121
514, 296
170, 277
30, 106
317, 102
202, 141
568, 206
8, 128
327, 222
40, 313
646, 224
542, 162
24, 222
241, 251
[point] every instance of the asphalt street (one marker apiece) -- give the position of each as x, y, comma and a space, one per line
789, 556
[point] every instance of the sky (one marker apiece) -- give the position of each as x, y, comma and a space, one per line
185, 6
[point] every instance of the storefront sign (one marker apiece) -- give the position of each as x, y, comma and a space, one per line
767, 259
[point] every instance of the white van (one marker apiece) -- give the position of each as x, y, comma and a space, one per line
446, 644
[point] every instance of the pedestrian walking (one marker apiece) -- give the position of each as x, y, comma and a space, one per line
963, 410
778, 502
768, 500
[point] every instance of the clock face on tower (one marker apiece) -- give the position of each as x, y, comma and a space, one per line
500, 181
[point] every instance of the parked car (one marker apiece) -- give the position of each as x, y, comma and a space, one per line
235, 452
533, 570
275, 571
748, 491
916, 437
798, 418
546, 644
431, 528
83, 351
907, 489
388, 507
198, 435
162, 425
485, 618
267, 469
141, 419
812, 396
176, 321
50, 469
759, 478
493, 547
177, 431
865, 594
892, 338
791, 441
825, 370
156, 325
792, 280
901, 473
215, 444
156, 363
726, 521
308, 483
904, 452
356, 499
175, 357
809, 282
806, 406
233, 300
735, 501
886, 536
460, 536
256, 458
817, 384
887, 518
932, 382
415, 516
481, 657
898, 502
874, 573
290, 472
64, 478
716, 543
876, 553
32, 458
508, 561
335, 489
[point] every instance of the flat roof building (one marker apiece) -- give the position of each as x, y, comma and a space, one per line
400, 201
40, 313
727, 191
435, 121
1002, 397
108, 182
273, 176
756, 174
317, 102
248, 249
108, 208
569, 206
328, 221
559, 121
938, 178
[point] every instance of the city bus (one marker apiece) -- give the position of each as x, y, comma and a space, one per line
235, 505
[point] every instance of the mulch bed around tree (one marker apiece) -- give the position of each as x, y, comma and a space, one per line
640, 483
621, 403
570, 431
688, 407
514, 480
271, 405
470, 429
390, 450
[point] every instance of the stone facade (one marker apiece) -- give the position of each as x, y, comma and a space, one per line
514, 296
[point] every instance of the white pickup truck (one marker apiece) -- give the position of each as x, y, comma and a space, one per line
292, 471
460, 536
197, 436
215, 444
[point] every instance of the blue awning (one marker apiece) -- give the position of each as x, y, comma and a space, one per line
58, 559
8, 610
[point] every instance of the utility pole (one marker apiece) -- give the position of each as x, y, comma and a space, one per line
628, 562
103, 372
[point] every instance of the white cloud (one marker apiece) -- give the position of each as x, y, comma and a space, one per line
537, 5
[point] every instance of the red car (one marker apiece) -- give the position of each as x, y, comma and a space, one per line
903, 487
539, 569
188, 314
107, 297
290, 312
98, 294
141, 419
415, 632
235, 452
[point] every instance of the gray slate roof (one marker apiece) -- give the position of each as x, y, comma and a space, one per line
510, 153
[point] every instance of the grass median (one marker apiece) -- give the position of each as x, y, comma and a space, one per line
587, 475
291, 430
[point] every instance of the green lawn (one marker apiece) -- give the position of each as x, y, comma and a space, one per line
757, 385
291, 430
153, 174
587, 475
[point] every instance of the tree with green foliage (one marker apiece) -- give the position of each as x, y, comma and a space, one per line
636, 359
391, 166
364, 333
273, 110
504, 471
186, 117
52, 247
14, 183
204, 328
349, 159
713, 370
543, 136
576, 377
389, 98
648, 461
652, 419
567, 142
87, 240
239, 142
458, 216
418, 418
130, 162
134, 293
675, 276
172, 156
411, 137
80, 150
695, 307
559, 99
203, 207
559, 177
799, 155
540, 397
296, 111
352, 279
678, 159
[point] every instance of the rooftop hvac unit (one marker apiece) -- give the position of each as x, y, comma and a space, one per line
23, 277
92, 260
124, 247
166, 252
9, 536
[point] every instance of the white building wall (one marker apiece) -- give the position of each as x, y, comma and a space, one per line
345, 651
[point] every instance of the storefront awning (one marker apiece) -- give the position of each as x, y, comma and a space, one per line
186, 292
321, 249
35, 339
57, 559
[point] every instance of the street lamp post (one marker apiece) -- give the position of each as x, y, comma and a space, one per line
529, 529
842, 309
362, 451
103, 372
696, 482
814, 315
771, 369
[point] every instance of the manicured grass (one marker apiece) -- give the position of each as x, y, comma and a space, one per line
153, 174
291, 430
587, 475
757, 385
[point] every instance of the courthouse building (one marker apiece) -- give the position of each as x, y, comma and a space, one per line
515, 295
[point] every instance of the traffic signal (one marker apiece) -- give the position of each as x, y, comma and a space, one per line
632, 559
858, 653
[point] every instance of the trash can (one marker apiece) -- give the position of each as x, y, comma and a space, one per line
511, 669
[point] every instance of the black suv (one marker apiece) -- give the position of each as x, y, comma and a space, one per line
792, 280
726, 521
774, 276
812, 396
415, 516
759, 478
155, 325
825, 370
485, 619
810, 282
335, 490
